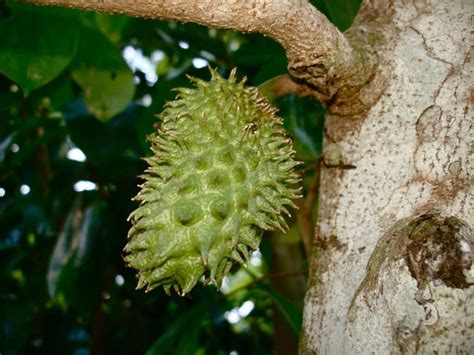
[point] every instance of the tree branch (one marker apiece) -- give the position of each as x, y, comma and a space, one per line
282, 85
317, 52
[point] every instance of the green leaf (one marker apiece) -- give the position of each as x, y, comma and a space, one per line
292, 314
184, 332
343, 12
270, 58
340, 12
103, 75
303, 118
112, 148
112, 25
9, 100
5, 144
189, 341
16, 326
321, 6
76, 258
37, 45
53, 96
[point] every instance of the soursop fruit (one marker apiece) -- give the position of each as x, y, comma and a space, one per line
222, 172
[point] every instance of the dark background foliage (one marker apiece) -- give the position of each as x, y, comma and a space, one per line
73, 82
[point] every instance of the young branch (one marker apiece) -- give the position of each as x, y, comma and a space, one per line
317, 52
282, 85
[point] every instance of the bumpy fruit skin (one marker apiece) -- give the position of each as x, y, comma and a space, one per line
222, 172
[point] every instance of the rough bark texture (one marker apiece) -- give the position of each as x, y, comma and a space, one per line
393, 269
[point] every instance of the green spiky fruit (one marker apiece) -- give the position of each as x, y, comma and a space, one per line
222, 172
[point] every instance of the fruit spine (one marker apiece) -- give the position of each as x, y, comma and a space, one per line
222, 172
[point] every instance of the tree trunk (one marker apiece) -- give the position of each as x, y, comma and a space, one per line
392, 269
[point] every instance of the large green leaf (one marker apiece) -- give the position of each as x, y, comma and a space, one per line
111, 25
292, 314
37, 44
181, 337
15, 326
53, 96
76, 257
112, 147
270, 58
102, 73
303, 118
340, 12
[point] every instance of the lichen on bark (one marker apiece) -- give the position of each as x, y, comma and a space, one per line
434, 248
419, 275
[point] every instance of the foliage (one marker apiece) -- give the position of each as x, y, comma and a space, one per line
64, 86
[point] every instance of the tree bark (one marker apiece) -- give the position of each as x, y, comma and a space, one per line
392, 270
